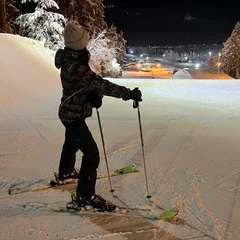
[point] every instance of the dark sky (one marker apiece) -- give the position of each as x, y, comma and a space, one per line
162, 22
227, 11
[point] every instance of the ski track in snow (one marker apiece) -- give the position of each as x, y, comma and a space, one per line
199, 222
191, 142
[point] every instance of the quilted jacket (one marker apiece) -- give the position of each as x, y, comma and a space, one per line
78, 80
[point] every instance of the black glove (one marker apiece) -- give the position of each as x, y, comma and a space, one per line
136, 95
95, 100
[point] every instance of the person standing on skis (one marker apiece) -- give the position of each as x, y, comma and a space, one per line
82, 90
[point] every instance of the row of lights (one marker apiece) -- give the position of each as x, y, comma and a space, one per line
139, 65
197, 65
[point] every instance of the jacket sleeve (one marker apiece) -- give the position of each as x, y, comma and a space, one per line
111, 89
105, 87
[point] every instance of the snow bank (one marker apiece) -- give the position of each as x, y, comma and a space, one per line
182, 74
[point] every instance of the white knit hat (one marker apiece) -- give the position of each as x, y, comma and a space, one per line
75, 38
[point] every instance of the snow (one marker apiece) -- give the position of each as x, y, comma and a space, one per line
182, 74
191, 142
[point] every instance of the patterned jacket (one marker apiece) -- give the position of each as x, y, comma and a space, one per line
78, 80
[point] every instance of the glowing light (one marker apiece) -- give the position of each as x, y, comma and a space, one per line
139, 66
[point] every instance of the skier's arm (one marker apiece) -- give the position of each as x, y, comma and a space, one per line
107, 88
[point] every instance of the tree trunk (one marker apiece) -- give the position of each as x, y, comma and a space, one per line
3, 24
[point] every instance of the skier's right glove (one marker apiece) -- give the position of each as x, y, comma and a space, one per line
136, 95
95, 100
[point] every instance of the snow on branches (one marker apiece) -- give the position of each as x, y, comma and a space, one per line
230, 57
103, 61
42, 25
44, 4
106, 46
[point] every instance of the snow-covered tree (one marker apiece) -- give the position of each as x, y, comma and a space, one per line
42, 25
213, 61
169, 55
194, 57
120, 48
106, 46
90, 14
230, 57
103, 60
117, 42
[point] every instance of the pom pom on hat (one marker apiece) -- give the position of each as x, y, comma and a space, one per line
75, 38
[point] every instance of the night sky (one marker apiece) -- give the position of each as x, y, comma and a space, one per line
156, 22
228, 11
161, 22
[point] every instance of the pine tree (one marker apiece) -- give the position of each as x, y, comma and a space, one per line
66, 7
213, 61
3, 23
88, 13
42, 24
121, 48
117, 42
12, 11
230, 57
95, 9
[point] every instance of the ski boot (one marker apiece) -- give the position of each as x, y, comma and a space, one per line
96, 202
64, 178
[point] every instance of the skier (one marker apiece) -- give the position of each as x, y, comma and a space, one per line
82, 91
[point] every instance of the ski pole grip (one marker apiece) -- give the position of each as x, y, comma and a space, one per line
135, 102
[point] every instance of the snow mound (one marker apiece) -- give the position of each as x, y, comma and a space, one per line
20, 84
182, 74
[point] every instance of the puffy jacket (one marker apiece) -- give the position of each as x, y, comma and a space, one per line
78, 80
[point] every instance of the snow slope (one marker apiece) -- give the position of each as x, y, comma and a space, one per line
191, 135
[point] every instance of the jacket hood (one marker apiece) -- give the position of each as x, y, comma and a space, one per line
64, 55
59, 58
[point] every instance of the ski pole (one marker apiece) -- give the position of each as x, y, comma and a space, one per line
104, 150
136, 105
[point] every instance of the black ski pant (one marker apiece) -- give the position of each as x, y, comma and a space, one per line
78, 137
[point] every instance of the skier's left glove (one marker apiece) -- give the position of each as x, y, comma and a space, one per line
136, 95
95, 100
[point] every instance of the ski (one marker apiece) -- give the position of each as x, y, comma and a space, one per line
164, 215
151, 214
144, 212
54, 183
128, 169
